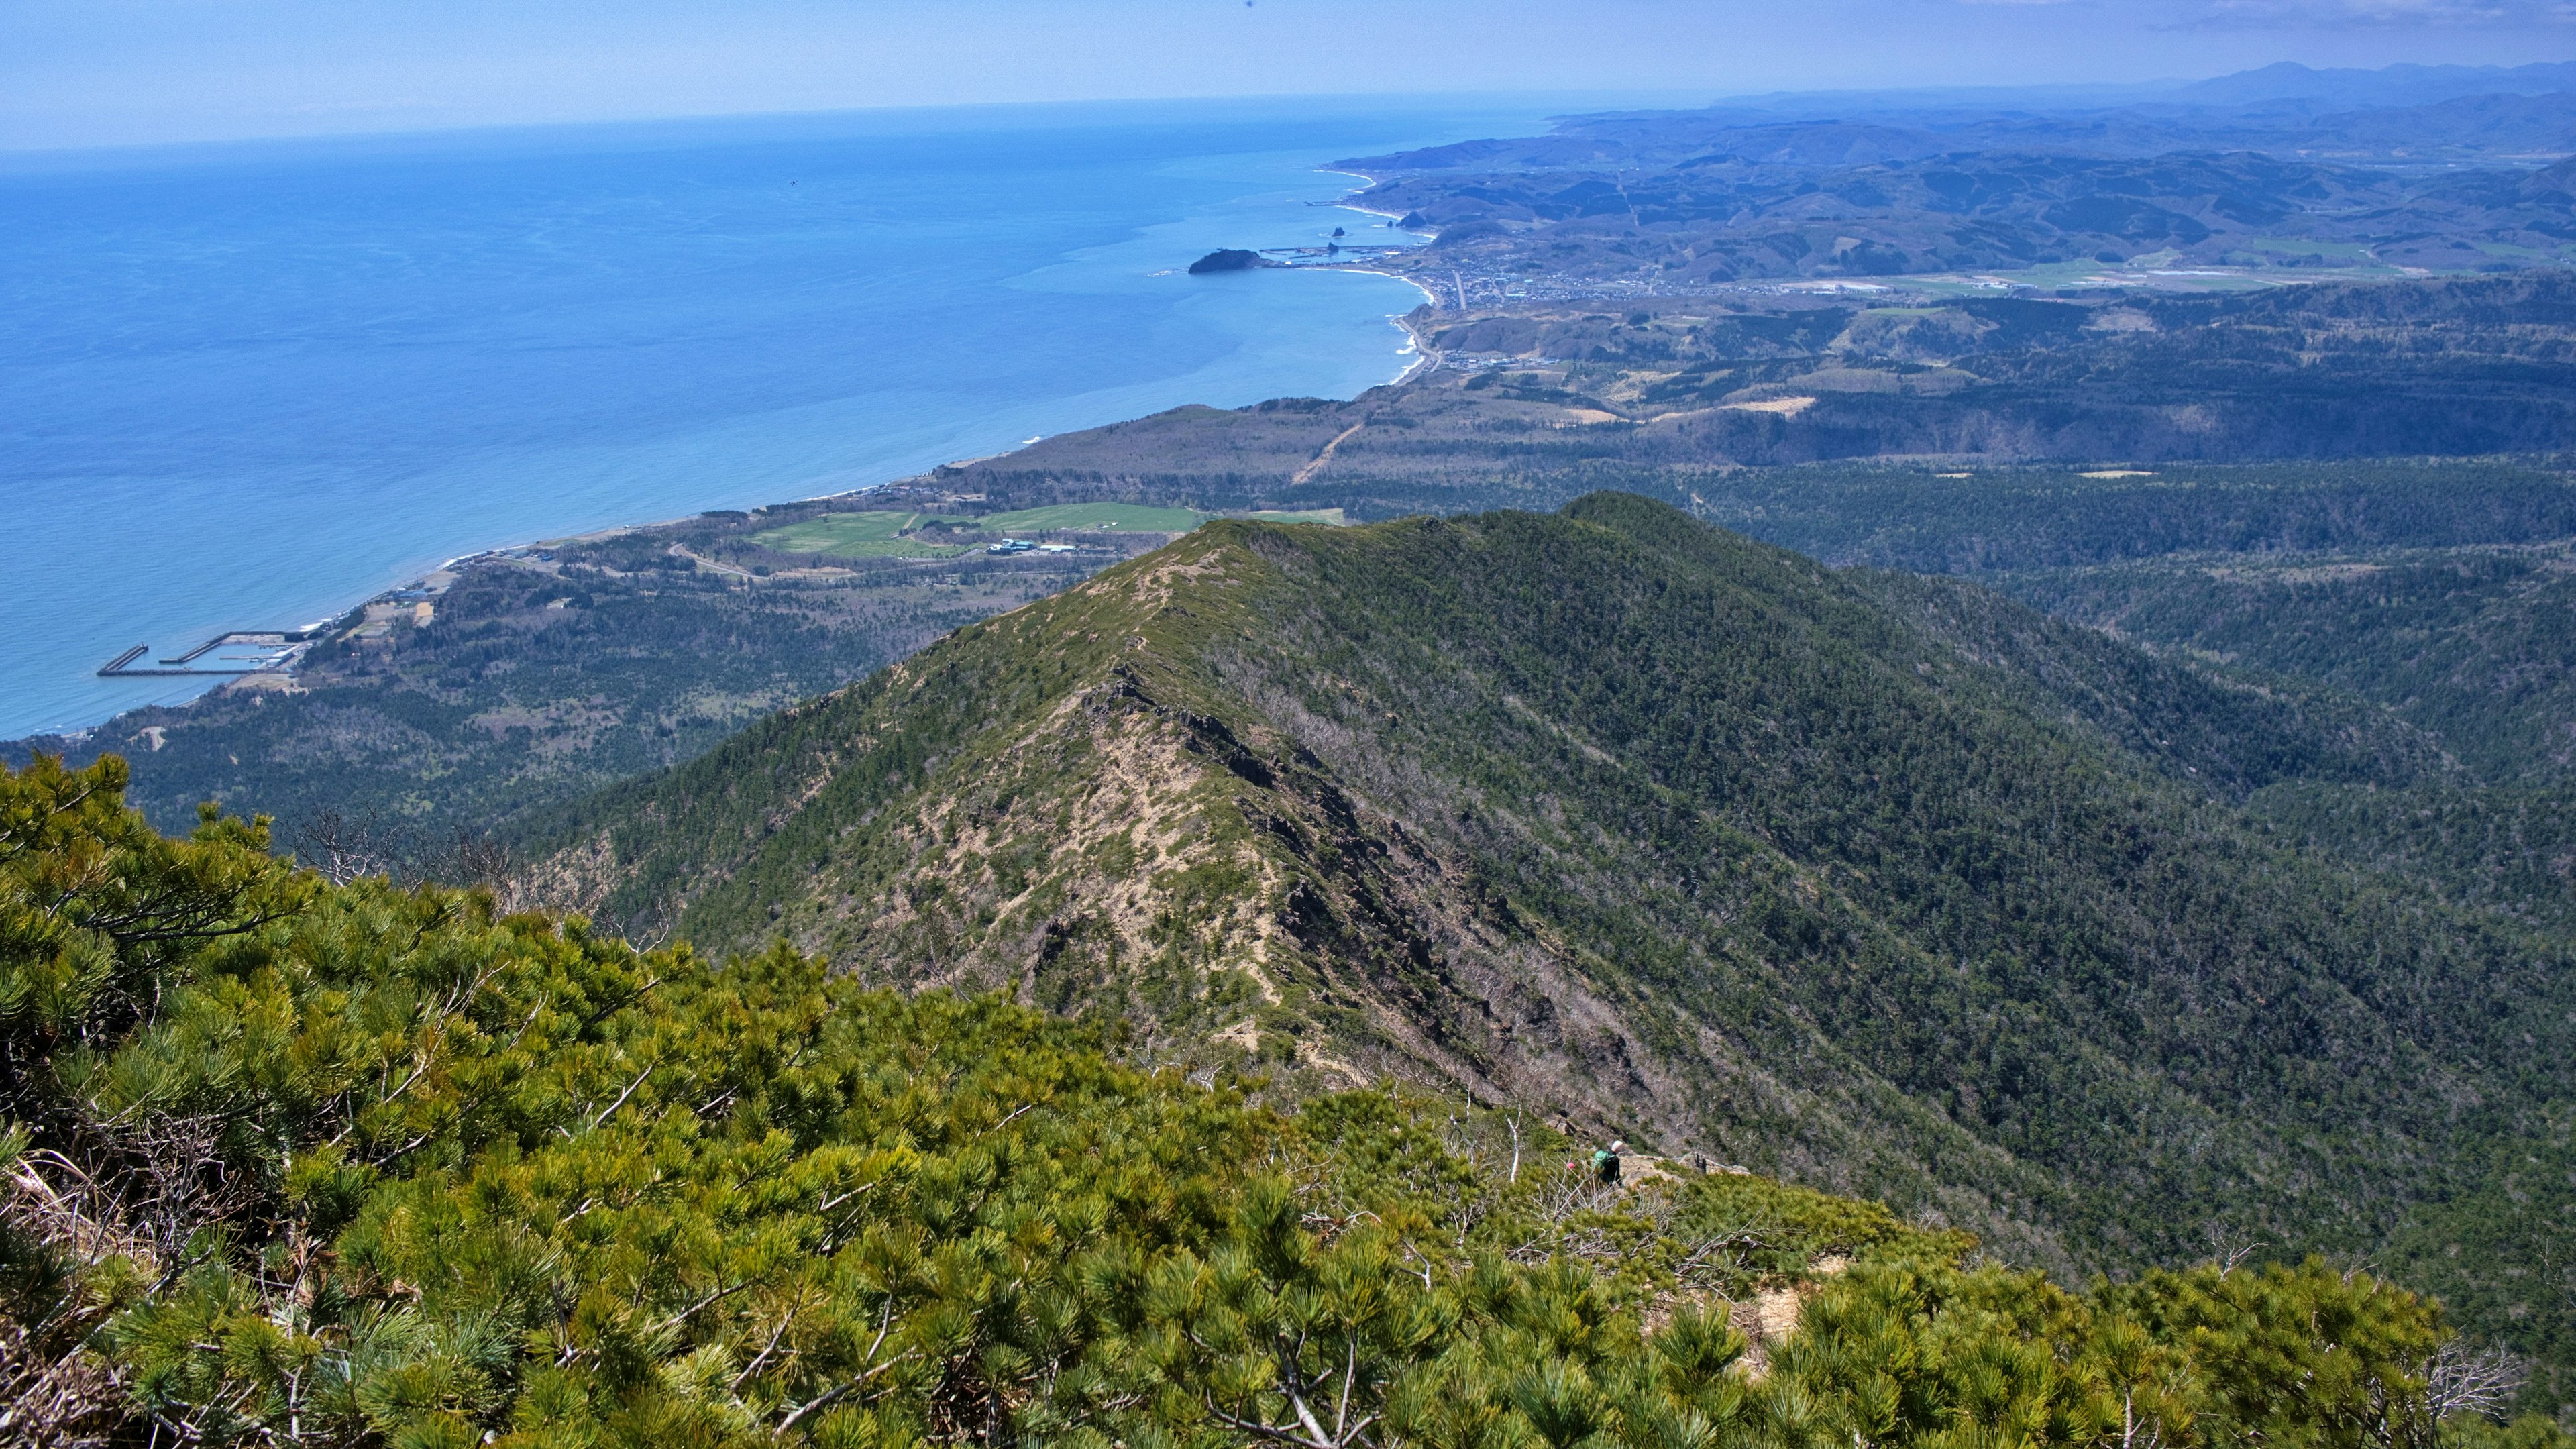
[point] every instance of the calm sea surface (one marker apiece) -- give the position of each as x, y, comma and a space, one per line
248, 386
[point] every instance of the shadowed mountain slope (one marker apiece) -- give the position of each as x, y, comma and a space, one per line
1883, 883
2473, 646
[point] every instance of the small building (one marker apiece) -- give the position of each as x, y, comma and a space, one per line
1010, 545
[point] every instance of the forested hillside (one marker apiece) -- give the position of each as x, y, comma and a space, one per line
2474, 647
2468, 651
2476, 644
289, 1164
1897, 890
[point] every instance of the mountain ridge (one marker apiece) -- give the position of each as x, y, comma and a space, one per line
1679, 836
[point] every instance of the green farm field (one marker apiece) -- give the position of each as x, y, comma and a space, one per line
1116, 517
882, 533
856, 535
1334, 516
1136, 518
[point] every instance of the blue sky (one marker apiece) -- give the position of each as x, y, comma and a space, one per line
104, 72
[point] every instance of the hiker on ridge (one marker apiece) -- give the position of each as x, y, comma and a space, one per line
1605, 1163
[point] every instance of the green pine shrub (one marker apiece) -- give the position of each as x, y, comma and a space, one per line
300, 1165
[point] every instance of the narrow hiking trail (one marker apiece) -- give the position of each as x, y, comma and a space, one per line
1316, 465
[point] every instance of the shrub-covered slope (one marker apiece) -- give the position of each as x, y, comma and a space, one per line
316, 1167
1683, 836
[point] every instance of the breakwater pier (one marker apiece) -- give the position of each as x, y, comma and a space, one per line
255, 651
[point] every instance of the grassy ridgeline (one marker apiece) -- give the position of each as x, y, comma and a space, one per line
295, 1164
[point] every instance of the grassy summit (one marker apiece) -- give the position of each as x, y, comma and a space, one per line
1886, 884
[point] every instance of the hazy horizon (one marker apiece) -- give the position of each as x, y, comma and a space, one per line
79, 73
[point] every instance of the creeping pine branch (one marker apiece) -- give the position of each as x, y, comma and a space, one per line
1734, 1244
614, 1005
1350, 1371
2133, 1434
1307, 1431
426, 1052
685, 1314
611, 1109
838, 1198
207, 923
1005, 1122
1418, 1256
785, 1321
1314, 1436
826, 1400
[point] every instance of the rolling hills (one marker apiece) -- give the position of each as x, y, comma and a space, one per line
541, 679
1666, 202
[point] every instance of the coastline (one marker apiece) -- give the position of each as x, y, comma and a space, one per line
430, 584
1028, 309
1422, 357
427, 582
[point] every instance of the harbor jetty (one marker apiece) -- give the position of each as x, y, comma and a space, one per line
275, 651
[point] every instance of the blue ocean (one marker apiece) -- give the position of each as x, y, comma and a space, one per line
247, 386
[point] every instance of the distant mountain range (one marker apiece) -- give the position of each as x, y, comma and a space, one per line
2396, 85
